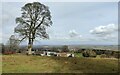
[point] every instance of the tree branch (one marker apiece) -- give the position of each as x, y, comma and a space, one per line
40, 23
22, 39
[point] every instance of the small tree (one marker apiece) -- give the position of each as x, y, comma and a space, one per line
55, 49
13, 43
65, 48
108, 53
2, 48
89, 53
103, 56
33, 23
116, 54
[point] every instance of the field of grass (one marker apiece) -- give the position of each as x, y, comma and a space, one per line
39, 64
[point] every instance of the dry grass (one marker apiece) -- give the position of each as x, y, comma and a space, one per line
39, 64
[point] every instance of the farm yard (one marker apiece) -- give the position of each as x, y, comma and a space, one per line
18, 63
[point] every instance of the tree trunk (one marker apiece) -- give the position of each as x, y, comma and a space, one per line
29, 49
30, 44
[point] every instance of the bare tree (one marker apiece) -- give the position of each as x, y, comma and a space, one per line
13, 43
33, 22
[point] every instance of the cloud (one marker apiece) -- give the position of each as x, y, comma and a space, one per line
110, 37
73, 34
104, 31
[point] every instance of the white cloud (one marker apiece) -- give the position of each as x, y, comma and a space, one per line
105, 31
73, 34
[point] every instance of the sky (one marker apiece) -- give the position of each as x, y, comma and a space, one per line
74, 23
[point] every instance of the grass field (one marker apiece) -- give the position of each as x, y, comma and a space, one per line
39, 64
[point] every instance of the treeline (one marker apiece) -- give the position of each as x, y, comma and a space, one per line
101, 53
12, 49
7, 49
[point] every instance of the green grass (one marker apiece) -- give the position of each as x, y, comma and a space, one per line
39, 64
78, 55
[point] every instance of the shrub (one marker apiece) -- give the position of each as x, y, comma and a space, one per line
85, 54
99, 52
116, 54
103, 55
9, 52
89, 53
65, 48
110, 54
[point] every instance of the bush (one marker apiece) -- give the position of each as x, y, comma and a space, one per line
111, 54
116, 54
89, 53
99, 52
78, 51
103, 55
65, 48
9, 52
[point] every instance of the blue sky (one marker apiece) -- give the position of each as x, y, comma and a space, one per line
73, 22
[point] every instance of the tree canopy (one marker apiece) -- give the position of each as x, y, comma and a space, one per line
33, 22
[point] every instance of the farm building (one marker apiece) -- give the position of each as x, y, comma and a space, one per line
66, 54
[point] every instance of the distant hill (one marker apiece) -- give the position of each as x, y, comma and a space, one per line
108, 47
